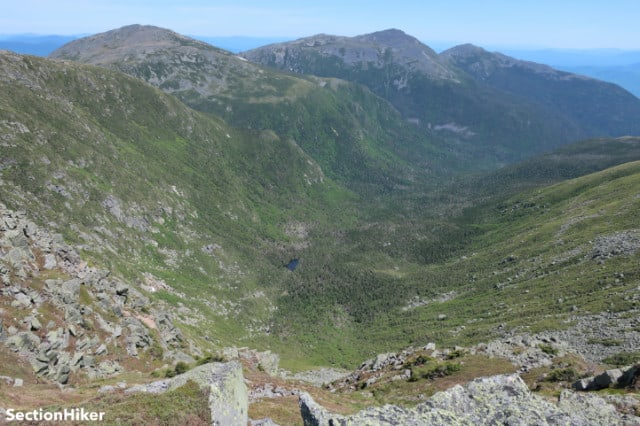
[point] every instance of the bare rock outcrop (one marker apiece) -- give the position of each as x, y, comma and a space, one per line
504, 399
228, 396
67, 316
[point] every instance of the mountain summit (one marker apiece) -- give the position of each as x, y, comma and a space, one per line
599, 108
355, 136
488, 101
376, 50
134, 40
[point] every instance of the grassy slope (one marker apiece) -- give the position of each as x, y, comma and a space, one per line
525, 264
499, 126
101, 133
75, 135
356, 137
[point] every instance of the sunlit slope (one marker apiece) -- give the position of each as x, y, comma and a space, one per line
498, 108
355, 136
531, 263
153, 190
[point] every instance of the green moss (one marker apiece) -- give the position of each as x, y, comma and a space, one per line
622, 359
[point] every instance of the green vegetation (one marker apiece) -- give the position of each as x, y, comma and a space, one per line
433, 370
605, 342
392, 251
622, 359
185, 405
181, 367
568, 374
548, 349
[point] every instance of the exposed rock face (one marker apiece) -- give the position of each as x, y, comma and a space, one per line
373, 50
228, 396
486, 401
60, 325
524, 350
617, 377
162, 58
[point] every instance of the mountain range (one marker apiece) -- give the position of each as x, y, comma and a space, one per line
155, 188
464, 90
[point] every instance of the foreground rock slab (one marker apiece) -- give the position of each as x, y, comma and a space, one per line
504, 400
228, 396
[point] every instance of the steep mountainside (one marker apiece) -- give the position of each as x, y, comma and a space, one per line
156, 192
567, 162
627, 76
136, 231
433, 91
599, 108
355, 136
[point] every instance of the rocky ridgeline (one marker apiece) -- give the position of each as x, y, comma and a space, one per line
593, 337
524, 351
503, 399
64, 316
392, 366
494, 400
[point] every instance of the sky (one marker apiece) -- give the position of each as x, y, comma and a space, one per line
580, 24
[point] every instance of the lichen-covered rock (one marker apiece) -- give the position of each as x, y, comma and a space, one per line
228, 396
486, 401
608, 378
77, 300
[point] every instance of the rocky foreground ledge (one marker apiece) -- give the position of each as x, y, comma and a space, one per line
228, 398
497, 400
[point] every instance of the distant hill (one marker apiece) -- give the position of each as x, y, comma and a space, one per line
627, 76
211, 212
31, 44
596, 107
356, 137
450, 93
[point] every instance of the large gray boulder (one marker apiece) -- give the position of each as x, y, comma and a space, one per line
228, 396
504, 400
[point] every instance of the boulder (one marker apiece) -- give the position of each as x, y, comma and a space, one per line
24, 341
630, 378
102, 350
70, 291
50, 261
34, 324
62, 374
503, 399
382, 360
39, 366
608, 378
268, 361
585, 384
21, 301
228, 397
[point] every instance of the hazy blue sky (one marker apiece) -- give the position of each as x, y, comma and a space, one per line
539, 23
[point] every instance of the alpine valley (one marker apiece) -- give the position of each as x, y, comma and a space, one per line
334, 230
